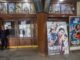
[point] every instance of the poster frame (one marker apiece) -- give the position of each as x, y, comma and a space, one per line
61, 20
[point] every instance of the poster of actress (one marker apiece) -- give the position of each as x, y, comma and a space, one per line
74, 31
57, 38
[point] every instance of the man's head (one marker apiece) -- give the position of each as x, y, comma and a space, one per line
61, 31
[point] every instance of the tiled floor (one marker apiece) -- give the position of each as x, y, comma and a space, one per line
32, 54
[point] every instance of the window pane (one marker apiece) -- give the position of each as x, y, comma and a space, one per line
10, 25
24, 29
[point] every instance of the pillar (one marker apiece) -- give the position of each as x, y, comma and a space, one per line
42, 33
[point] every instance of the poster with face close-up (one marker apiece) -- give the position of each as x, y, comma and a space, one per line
74, 32
57, 37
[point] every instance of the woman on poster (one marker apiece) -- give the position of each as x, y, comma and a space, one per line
63, 41
75, 35
77, 31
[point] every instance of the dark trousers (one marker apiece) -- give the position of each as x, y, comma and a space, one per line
4, 43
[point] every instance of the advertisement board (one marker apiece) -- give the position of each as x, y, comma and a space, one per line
57, 37
74, 32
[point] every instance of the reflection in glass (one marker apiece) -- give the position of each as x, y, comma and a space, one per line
11, 7
3, 7
24, 29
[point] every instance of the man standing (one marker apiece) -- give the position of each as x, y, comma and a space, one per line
2, 35
6, 32
3, 38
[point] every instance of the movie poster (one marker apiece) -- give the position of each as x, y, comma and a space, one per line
74, 32
11, 8
57, 37
3, 8
55, 8
19, 8
26, 8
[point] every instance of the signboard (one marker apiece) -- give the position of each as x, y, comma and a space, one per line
57, 37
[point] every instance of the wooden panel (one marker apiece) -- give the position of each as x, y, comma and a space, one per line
16, 16
19, 41
35, 38
60, 15
24, 41
13, 41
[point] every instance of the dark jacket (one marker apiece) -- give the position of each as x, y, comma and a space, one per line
2, 34
6, 32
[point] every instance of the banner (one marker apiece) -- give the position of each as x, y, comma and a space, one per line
74, 32
57, 37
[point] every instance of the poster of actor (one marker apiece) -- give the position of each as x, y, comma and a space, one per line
57, 37
74, 32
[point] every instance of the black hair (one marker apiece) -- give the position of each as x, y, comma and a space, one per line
61, 29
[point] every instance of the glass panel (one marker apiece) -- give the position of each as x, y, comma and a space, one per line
55, 8
3, 7
10, 25
18, 7
24, 29
11, 8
